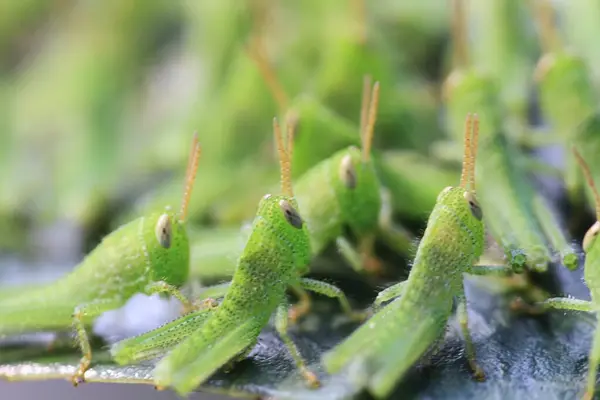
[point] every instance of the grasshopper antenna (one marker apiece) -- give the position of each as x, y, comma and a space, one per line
467, 157
367, 136
459, 35
589, 179
360, 13
544, 15
190, 176
364, 105
284, 157
256, 51
474, 140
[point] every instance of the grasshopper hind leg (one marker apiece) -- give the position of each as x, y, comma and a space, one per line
240, 357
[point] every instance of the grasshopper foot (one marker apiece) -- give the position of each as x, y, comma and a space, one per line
208, 303
519, 305
295, 313
373, 266
478, 373
79, 376
311, 379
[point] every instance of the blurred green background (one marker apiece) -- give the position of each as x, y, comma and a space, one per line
99, 101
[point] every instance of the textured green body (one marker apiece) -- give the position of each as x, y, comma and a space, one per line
591, 271
567, 100
123, 264
503, 50
409, 325
566, 92
587, 139
328, 205
512, 223
275, 257
580, 19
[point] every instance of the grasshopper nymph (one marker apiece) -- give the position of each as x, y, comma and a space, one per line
275, 257
149, 254
591, 247
397, 335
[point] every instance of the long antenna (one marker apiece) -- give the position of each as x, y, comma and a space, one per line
544, 15
460, 52
256, 51
370, 127
467, 157
589, 179
364, 105
190, 176
284, 161
474, 140
360, 13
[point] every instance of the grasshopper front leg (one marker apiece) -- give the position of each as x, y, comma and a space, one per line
563, 303
361, 259
281, 324
397, 237
463, 320
164, 287
81, 314
325, 289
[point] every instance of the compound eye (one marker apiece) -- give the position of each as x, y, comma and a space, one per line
590, 235
347, 172
474, 205
290, 214
163, 231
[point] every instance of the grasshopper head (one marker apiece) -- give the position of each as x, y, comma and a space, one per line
281, 218
167, 248
462, 205
357, 190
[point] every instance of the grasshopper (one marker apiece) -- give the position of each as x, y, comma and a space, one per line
275, 257
581, 27
514, 225
149, 254
591, 247
398, 334
351, 194
567, 97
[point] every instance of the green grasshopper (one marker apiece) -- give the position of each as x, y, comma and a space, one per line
580, 20
149, 254
514, 223
351, 194
591, 247
567, 96
504, 50
397, 335
276, 256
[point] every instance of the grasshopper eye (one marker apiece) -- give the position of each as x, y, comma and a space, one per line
474, 205
590, 235
347, 172
163, 231
291, 215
